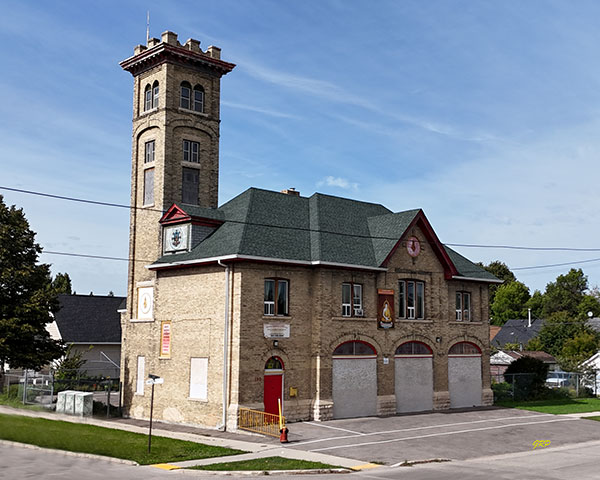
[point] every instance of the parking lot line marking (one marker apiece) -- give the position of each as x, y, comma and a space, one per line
334, 428
165, 466
440, 434
412, 429
365, 466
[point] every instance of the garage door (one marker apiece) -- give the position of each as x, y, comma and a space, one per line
414, 377
464, 375
354, 380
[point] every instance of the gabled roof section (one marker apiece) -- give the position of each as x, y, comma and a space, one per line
469, 270
517, 331
89, 319
317, 230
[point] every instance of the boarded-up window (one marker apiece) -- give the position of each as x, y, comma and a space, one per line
141, 375
149, 186
199, 378
191, 182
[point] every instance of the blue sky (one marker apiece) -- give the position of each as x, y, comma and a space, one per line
485, 114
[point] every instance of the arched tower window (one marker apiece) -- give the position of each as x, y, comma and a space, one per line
185, 95
155, 94
147, 98
198, 99
274, 363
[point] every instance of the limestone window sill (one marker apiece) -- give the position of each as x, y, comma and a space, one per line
199, 400
356, 319
187, 110
277, 317
141, 320
412, 320
465, 323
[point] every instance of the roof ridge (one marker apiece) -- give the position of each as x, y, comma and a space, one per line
349, 200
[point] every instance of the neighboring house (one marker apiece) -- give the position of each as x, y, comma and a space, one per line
517, 331
494, 329
592, 365
91, 324
334, 307
500, 361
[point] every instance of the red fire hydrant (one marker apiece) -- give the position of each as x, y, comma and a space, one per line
283, 433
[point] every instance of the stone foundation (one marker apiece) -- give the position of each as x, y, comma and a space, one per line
441, 400
386, 405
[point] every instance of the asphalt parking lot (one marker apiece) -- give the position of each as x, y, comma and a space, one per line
455, 435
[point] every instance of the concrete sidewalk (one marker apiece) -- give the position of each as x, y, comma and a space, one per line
257, 446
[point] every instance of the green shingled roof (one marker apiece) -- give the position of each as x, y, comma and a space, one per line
320, 228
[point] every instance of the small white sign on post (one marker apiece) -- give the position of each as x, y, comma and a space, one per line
276, 330
155, 381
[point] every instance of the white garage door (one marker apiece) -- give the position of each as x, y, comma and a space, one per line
464, 375
354, 380
414, 377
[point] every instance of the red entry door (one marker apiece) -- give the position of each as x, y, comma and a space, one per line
273, 392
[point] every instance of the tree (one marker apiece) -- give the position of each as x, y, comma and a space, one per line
500, 271
528, 375
510, 302
536, 303
566, 293
62, 283
558, 328
589, 303
578, 349
26, 296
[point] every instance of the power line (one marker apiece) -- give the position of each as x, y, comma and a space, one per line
353, 235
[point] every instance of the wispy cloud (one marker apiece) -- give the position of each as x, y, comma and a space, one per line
265, 111
338, 182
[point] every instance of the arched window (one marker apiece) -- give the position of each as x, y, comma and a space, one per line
274, 363
155, 94
198, 99
414, 348
464, 348
354, 348
185, 95
147, 98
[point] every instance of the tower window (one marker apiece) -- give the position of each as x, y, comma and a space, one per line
148, 186
185, 95
198, 99
191, 151
149, 152
190, 184
155, 94
147, 98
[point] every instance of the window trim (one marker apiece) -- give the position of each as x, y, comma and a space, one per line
193, 103
192, 156
149, 152
413, 355
460, 312
155, 94
273, 303
147, 99
188, 87
404, 309
469, 354
352, 306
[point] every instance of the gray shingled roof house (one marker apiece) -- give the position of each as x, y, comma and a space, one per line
316, 230
92, 325
517, 331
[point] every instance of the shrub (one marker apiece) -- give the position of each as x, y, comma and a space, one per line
527, 375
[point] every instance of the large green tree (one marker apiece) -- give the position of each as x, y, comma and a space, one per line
62, 283
500, 271
510, 302
566, 293
26, 296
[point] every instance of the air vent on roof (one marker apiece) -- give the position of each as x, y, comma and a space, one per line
291, 191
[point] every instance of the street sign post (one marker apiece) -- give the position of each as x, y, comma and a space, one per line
152, 380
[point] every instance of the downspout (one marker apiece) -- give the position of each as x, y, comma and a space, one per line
223, 426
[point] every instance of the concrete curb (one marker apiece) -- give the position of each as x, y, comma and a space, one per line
256, 473
69, 453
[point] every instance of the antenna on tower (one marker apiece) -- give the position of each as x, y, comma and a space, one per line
147, 27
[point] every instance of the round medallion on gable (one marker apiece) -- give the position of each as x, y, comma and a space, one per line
413, 246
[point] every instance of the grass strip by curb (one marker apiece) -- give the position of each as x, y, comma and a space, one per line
77, 437
556, 406
597, 419
266, 464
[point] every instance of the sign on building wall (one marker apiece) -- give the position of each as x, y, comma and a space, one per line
145, 302
385, 308
165, 339
176, 238
276, 330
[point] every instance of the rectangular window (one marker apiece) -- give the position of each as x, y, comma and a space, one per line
463, 306
147, 99
141, 375
149, 152
155, 96
199, 378
198, 100
149, 186
191, 151
352, 304
276, 297
190, 186
185, 97
411, 300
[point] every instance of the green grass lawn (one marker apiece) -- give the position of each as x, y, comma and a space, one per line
12, 401
268, 463
556, 406
593, 418
76, 437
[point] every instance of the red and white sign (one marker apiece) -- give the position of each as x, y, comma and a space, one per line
165, 339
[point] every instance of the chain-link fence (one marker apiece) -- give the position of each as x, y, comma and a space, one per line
35, 388
525, 386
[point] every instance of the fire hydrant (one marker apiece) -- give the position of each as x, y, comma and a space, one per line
283, 433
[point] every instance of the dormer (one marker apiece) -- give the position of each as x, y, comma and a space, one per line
182, 231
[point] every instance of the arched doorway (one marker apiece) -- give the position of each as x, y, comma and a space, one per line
354, 375
464, 375
273, 385
413, 377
